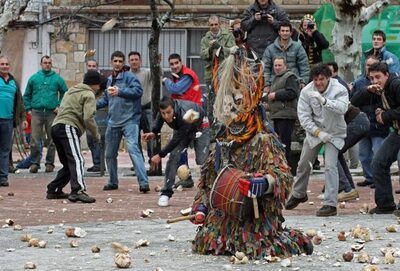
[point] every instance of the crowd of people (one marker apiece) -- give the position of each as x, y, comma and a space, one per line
302, 94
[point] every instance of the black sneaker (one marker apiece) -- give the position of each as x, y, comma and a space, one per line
308, 248
396, 213
81, 196
144, 188
185, 184
365, 183
93, 169
11, 169
4, 182
293, 202
153, 173
382, 211
316, 167
110, 187
327, 210
57, 195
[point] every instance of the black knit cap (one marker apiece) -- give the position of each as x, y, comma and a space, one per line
91, 78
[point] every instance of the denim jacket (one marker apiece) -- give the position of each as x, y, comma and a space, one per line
126, 106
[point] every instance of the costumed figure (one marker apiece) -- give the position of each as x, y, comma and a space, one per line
246, 179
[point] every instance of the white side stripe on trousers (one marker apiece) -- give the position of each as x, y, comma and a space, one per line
76, 152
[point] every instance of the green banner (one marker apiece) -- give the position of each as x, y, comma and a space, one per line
325, 19
388, 21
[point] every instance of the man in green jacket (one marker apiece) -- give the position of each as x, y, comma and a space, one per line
76, 114
42, 98
215, 44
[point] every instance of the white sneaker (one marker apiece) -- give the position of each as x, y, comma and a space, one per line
163, 201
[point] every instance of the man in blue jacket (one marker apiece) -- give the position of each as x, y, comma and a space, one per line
124, 111
379, 51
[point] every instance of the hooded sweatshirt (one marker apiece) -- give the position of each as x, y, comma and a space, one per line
44, 91
78, 109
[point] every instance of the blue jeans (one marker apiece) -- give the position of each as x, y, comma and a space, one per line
386, 155
6, 130
368, 147
201, 148
113, 138
95, 149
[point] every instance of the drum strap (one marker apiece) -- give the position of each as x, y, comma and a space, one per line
222, 149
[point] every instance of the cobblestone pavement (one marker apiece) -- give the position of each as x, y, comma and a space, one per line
177, 255
119, 221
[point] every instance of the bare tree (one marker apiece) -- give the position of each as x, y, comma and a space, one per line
157, 23
11, 10
351, 16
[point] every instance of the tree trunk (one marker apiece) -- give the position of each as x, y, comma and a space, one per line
157, 24
351, 16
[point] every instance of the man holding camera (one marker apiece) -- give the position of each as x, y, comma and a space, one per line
261, 20
312, 40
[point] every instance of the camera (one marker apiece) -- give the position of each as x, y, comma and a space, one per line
237, 32
310, 25
263, 13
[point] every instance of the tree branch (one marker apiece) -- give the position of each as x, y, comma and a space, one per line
165, 18
372, 10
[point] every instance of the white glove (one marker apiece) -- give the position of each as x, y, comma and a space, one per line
325, 137
318, 96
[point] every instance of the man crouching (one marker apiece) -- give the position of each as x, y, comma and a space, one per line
75, 115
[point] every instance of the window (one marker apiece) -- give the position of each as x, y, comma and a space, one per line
126, 40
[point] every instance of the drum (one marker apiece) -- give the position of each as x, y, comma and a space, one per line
226, 196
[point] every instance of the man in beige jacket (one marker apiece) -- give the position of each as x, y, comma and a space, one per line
75, 115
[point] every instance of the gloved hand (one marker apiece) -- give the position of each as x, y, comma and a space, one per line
318, 96
324, 136
200, 211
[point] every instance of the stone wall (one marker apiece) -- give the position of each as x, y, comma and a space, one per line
69, 55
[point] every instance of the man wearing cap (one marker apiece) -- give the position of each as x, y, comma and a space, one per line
75, 115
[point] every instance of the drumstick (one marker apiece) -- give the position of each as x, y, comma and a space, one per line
255, 207
181, 218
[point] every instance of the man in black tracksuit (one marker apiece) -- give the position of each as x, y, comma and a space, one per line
75, 115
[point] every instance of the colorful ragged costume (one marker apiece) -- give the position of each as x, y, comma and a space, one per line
248, 161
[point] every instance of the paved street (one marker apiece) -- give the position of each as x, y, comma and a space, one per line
120, 221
